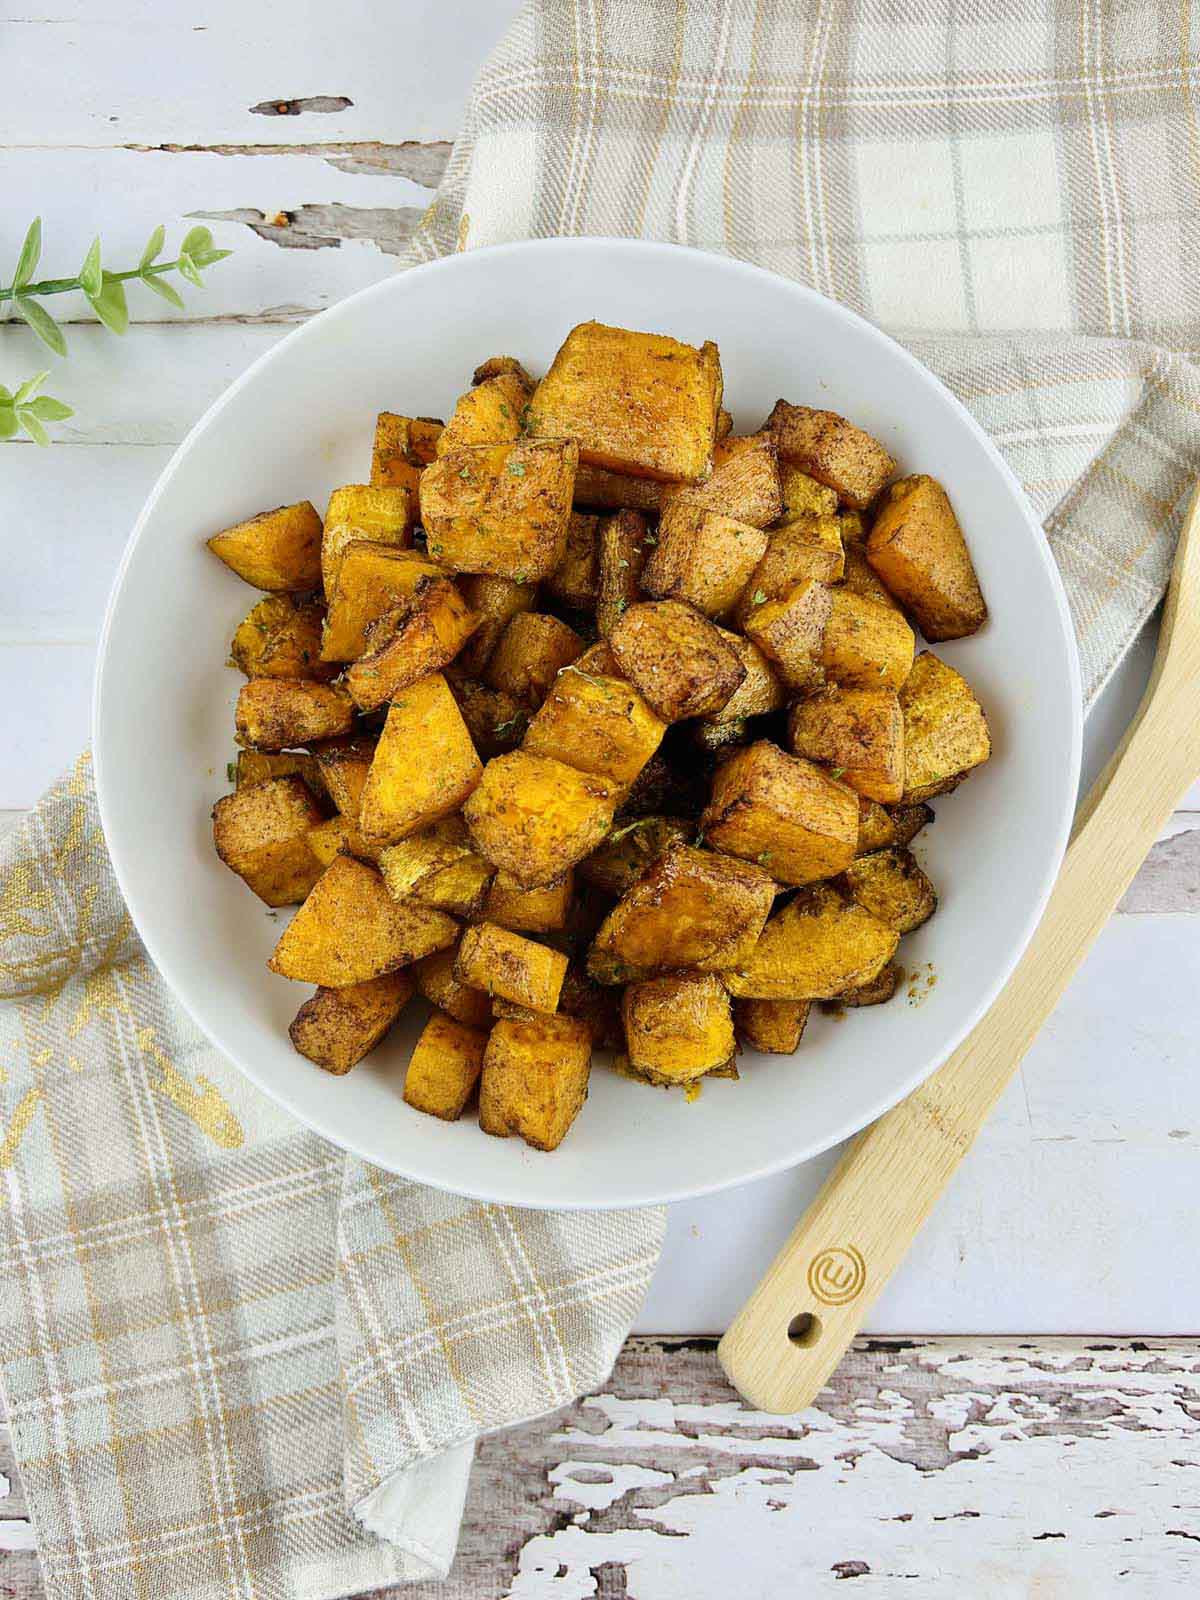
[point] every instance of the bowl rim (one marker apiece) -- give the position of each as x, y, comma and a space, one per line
577, 245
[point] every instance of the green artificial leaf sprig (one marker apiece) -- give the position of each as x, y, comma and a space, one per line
31, 411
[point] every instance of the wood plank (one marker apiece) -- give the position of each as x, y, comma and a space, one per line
944, 1466
48, 722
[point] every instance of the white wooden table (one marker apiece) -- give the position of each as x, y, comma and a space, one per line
969, 1460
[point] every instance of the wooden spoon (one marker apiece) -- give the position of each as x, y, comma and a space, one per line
798, 1323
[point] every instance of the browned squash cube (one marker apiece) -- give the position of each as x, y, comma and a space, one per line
350, 929
437, 982
276, 713
439, 868
876, 829
745, 481
945, 731
629, 849
422, 635
501, 508
622, 545
533, 650
677, 1028
535, 817
496, 721
281, 638
597, 489
261, 832
277, 550
865, 645
859, 733
542, 910
833, 451
917, 548
360, 512
495, 366
596, 724
790, 630
639, 403
496, 601
907, 822
444, 1068
402, 795
597, 1008
860, 578
800, 551
344, 774
424, 433
336, 1028
256, 766
702, 557
878, 992
489, 413
774, 1026
337, 836
690, 908
676, 659
371, 580
891, 886
505, 965
815, 948
394, 462
575, 580
804, 494
535, 1079
783, 813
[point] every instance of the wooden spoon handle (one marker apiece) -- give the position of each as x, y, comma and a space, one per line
859, 1228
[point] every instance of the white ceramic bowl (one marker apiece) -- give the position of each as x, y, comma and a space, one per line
300, 422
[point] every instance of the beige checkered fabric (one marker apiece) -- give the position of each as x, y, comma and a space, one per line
238, 1365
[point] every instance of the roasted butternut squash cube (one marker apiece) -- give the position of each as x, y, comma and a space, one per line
876, 829
536, 817
495, 366
865, 645
760, 692
261, 833
629, 849
496, 721
718, 738
423, 435
344, 773
690, 908
402, 795
596, 724
495, 601
374, 514
371, 580
860, 578
350, 929
535, 1079
444, 1067
533, 650
815, 948
256, 766
891, 886
277, 550
833, 451
794, 554
677, 1028
394, 463
859, 733
337, 836
439, 868
702, 557
277, 713
503, 509
790, 630
917, 547
509, 967
542, 910
945, 731
281, 638
907, 822
801, 493
775, 1027
622, 546
422, 635
575, 580
677, 659
489, 413
597, 1008
640, 403
597, 489
744, 482
783, 813
437, 982
878, 992
336, 1028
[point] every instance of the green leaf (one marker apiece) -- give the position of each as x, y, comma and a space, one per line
166, 291
205, 258
91, 274
47, 409
195, 240
187, 269
8, 421
29, 388
110, 306
32, 426
31, 254
153, 247
5, 396
42, 323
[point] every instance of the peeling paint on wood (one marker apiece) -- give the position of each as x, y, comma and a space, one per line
325, 103
1169, 878
320, 227
419, 163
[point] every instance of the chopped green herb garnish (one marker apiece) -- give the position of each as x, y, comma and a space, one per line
837, 772
465, 474
622, 605
758, 598
619, 833
519, 577
763, 858
699, 837
515, 469
509, 722
650, 540
622, 563
504, 411
231, 772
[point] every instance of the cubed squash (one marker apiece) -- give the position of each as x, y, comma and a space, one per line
640, 403
831, 450
535, 817
860, 578
277, 550
744, 482
790, 630
775, 1027
336, 1028
509, 967
783, 813
917, 547
374, 514
281, 638
801, 493
595, 724
859, 733
891, 886
597, 489
261, 833
877, 992
677, 1028
575, 579
394, 463
815, 948
496, 601
535, 1078
439, 868
344, 773
629, 849
622, 545
277, 713
876, 829
677, 659
350, 929
444, 1067
371, 580
502, 509
760, 692
545, 909
703, 557
437, 983
422, 635
945, 731
496, 366
533, 650
496, 721
865, 645
256, 766
907, 822
402, 795
489, 413
809, 548
338, 835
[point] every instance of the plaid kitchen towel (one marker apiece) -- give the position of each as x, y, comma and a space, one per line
239, 1364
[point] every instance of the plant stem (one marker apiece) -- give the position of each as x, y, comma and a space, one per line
62, 285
